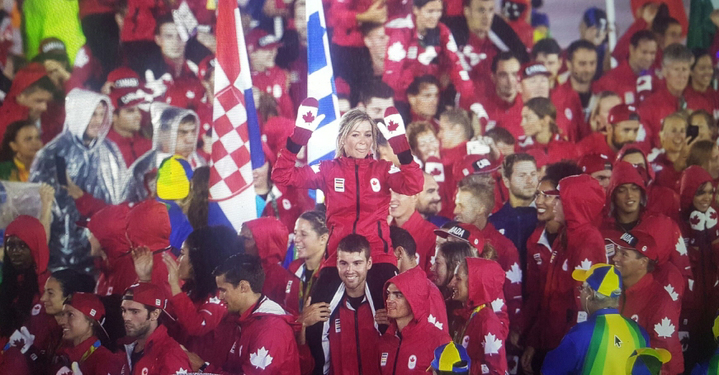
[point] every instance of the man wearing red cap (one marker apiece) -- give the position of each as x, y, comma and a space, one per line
623, 128
126, 96
152, 351
266, 76
598, 166
644, 300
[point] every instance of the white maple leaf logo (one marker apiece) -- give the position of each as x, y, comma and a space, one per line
396, 52
261, 359
514, 274
664, 329
670, 289
491, 344
681, 247
434, 321
497, 305
181, 371
585, 265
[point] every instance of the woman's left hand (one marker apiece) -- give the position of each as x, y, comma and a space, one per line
172, 273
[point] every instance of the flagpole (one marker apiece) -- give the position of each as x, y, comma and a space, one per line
612, 31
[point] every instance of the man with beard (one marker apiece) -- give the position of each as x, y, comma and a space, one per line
623, 127
518, 217
153, 351
572, 97
429, 202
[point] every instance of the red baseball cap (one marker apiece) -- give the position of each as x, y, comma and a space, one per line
260, 39
146, 294
467, 232
185, 93
88, 304
591, 163
637, 240
534, 68
126, 90
475, 164
622, 112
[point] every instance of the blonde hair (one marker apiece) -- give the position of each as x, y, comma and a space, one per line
348, 123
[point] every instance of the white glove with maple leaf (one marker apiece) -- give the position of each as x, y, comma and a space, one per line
393, 130
157, 86
703, 220
481, 114
22, 338
307, 121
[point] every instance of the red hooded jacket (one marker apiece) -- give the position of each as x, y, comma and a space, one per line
484, 334
422, 231
578, 246
539, 252
148, 224
266, 343
281, 285
100, 362
162, 355
357, 195
11, 110
411, 350
508, 259
117, 272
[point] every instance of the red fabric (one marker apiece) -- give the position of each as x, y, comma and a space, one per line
353, 337
162, 355
648, 304
265, 331
423, 233
101, 361
710, 96
344, 21
48, 336
676, 11
275, 82
11, 110
621, 50
139, 24
339, 179
117, 273
204, 327
271, 238
508, 259
407, 59
479, 54
539, 253
623, 81
505, 115
524, 31
596, 143
485, 282
87, 205
450, 157
570, 114
578, 246
556, 150
88, 7
32, 232
276, 130
290, 205
87, 68
667, 175
52, 121
660, 105
131, 147
414, 351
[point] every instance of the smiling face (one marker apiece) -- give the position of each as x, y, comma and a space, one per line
674, 134
642, 57
307, 241
627, 198
75, 325
96, 121
52, 297
676, 75
397, 305
629, 262
545, 203
703, 197
459, 285
427, 17
358, 142
353, 268
428, 201
401, 206
703, 72
427, 145
440, 276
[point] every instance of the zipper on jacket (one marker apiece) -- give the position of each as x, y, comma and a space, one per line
359, 356
357, 193
396, 356
379, 232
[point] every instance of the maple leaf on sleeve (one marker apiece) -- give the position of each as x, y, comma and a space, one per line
664, 329
492, 344
514, 274
308, 117
261, 359
670, 289
681, 247
586, 264
497, 305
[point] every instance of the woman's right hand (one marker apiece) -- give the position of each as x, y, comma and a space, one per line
172, 274
314, 313
142, 258
307, 121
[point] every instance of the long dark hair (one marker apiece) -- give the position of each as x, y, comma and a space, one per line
16, 298
208, 247
197, 208
6, 152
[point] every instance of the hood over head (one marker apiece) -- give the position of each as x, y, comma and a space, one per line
485, 281
108, 225
582, 199
166, 121
271, 237
31, 231
79, 108
692, 179
148, 224
415, 289
625, 173
646, 173
25, 77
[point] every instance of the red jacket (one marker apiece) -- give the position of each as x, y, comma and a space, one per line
503, 114
666, 174
539, 252
411, 350
478, 54
436, 307
423, 233
353, 337
508, 258
162, 355
117, 272
451, 157
621, 50
347, 31
281, 285
204, 327
578, 246
596, 143
570, 113
267, 343
274, 81
484, 335
409, 57
556, 150
711, 96
100, 362
660, 105
139, 24
356, 195
132, 147
287, 204
86, 72
648, 304
88, 7
632, 88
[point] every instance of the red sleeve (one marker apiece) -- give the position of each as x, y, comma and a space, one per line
621, 50
276, 341
159, 273
589, 252
663, 330
198, 321
486, 345
85, 68
679, 257
409, 180
532, 285
344, 14
173, 361
453, 61
394, 62
512, 281
87, 205
285, 173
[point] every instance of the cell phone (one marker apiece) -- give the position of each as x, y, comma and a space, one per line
477, 147
692, 132
61, 168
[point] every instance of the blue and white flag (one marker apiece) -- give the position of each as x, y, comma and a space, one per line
321, 85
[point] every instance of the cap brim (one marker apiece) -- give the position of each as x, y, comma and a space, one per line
581, 275
443, 233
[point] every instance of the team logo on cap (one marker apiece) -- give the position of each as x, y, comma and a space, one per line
93, 312
126, 82
458, 231
630, 240
157, 302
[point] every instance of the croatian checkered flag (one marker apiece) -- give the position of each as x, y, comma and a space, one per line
321, 85
236, 142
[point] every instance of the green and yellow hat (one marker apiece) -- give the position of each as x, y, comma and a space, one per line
647, 361
603, 278
173, 178
451, 358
